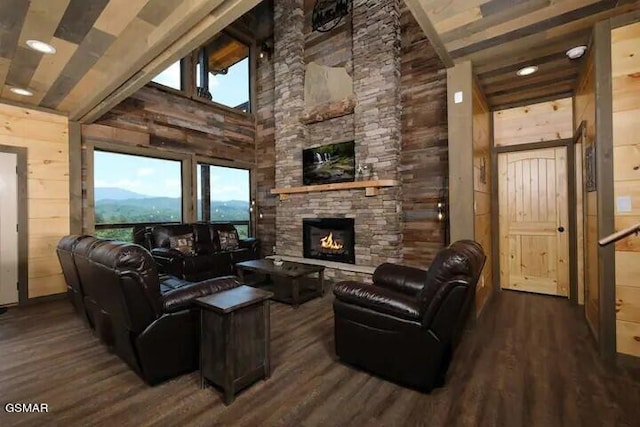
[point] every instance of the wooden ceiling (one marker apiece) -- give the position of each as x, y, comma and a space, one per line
500, 37
106, 49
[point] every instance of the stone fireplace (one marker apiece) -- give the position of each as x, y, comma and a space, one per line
330, 239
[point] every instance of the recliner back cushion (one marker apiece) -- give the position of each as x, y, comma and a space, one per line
448, 263
202, 237
473, 251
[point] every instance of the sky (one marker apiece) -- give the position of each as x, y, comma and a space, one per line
161, 178
230, 89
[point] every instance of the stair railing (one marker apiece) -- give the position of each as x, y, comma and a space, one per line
618, 235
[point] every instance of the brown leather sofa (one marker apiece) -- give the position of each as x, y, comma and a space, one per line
209, 258
406, 325
146, 319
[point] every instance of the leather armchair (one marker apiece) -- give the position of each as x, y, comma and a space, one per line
406, 325
146, 319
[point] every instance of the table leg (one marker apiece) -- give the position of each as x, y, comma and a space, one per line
240, 274
321, 279
229, 392
202, 381
267, 338
295, 293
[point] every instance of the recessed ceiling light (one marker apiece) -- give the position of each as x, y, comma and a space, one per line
20, 91
576, 52
527, 70
41, 46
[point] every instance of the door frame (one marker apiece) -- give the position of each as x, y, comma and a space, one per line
23, 223
571, 191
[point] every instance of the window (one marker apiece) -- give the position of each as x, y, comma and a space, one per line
171, 77
222, 72
131, 190
223, 196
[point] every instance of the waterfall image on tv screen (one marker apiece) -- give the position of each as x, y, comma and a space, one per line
329, 163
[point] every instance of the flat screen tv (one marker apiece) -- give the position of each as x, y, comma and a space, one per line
329, 163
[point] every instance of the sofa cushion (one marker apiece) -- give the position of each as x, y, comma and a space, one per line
228, 240
183, 243
448, 264
160, 233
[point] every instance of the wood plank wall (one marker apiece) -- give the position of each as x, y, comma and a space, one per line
545, 121
482, 191
625, 73
424, 156
585, 110
181, 124
46, 137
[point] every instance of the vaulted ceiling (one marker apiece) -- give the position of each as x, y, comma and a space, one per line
106, 49
500, 37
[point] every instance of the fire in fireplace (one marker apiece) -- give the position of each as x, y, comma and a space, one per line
331, 239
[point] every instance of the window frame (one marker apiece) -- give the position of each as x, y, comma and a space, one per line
209, 162
189, 66
184, 81
185, 176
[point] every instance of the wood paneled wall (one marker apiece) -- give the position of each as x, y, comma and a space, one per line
424, 155
545, 121
585, 110
181, 124
482, 191
46, 137
625, 64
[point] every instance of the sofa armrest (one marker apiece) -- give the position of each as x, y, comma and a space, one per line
182, 298
252, 244
401, 278
378, 299
170, 261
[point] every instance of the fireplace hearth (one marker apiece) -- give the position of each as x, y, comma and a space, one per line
330, 239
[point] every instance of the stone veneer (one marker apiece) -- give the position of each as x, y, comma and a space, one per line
375, 126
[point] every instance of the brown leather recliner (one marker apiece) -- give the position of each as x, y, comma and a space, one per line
147, 320
406, 325
75, 292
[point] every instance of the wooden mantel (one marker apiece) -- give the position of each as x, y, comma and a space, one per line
371, 187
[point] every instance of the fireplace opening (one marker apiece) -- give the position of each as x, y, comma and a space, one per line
331, 239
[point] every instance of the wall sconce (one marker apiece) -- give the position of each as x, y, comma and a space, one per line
266, 49
254, 208
441, 211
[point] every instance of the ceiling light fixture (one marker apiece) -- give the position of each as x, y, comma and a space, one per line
41, 46
20, 91
526, 71
576, 52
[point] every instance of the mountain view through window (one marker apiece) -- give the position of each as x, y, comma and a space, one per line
131, 189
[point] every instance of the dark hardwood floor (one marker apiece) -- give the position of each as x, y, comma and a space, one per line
529, 361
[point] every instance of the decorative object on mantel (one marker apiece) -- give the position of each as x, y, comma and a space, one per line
327, 14
328, 111
371, 187
364, 172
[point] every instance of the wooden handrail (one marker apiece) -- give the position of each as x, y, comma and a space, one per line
618, 235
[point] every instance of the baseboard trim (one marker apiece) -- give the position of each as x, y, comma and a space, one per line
44, 298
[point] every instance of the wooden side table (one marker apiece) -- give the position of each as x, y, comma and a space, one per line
234, 339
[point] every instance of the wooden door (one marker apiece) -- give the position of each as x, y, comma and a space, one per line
8, 229
533, 213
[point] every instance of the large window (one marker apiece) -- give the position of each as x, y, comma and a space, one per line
222, 72
171, 77
131, 190
223, 196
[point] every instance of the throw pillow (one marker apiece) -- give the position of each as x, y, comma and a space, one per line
183, 243
228, 240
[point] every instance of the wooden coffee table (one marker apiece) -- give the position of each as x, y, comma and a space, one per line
234, 339
292, 282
